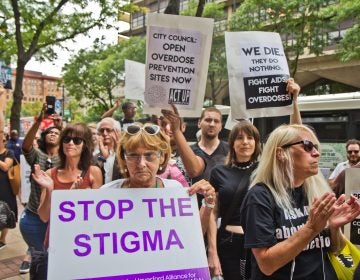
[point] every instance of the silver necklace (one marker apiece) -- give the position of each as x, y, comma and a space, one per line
243, 167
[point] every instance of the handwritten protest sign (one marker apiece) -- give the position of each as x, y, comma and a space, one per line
257, 70
134, 80
352, 183
126, 234
178, 50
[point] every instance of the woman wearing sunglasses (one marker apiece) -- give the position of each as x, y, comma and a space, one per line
290, 217
226, 254
143, 154
75, 170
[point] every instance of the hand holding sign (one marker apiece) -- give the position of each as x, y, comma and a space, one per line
293, 88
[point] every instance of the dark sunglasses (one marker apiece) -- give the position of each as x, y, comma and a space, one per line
76, 140
151, 129
353, 151
307, 145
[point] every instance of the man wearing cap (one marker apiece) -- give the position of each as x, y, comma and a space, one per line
46, 155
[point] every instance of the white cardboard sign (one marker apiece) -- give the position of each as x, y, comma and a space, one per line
257, 69
134, 80
126, 234
178, 51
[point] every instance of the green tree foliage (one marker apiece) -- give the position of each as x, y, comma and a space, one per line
217, 73
211, 10
91, 75
302, 24
33, 28
349, 44
29, 109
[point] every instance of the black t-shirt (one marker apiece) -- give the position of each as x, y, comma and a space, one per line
225, 179
217, 157
265, 224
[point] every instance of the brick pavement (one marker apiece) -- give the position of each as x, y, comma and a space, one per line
12, 255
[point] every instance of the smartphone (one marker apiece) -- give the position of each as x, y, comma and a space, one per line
50, 102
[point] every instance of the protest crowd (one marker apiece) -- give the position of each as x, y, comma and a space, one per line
266, 212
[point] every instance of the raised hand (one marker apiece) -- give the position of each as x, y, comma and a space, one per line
344, 211
173, 117
293, 88
42, 178
320, 212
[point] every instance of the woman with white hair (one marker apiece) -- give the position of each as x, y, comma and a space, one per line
290, 217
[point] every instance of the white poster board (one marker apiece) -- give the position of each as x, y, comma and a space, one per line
134, 80
257, 69
25, 173
126, 234
177, 59
352, 186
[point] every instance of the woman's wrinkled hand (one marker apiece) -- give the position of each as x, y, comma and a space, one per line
344, 211
320, 212
204, 188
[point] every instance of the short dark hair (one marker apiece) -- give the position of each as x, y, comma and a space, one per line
84, 132
352, 142
126, 105
210, 109
41, 141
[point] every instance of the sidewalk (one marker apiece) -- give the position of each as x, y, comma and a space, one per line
12, 255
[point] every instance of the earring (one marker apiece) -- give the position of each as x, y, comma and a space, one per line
160, 168
125, 170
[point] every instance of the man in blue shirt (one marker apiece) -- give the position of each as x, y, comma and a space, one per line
15, 144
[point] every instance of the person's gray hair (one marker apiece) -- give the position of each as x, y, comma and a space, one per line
115, 123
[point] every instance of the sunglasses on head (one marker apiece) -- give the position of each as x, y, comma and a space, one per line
76, 140
151, 129
307, 145
353, 151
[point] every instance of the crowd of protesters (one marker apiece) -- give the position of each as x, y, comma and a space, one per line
250, 192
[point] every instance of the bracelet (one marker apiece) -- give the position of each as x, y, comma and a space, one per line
207, 205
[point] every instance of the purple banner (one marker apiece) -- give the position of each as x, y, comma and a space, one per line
182, 274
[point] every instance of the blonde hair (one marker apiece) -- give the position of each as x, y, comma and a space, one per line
157, 142
278, 174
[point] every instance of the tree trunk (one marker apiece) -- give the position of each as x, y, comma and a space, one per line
17, 97
173, 7
200, 8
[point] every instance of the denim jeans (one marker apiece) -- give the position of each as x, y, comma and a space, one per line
32, 230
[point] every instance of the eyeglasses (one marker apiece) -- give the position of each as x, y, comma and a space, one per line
76, 140
105, 129
48, 163
151, 129
353, 151
307, 145
135, 158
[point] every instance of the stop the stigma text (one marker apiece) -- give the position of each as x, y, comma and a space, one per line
128, 241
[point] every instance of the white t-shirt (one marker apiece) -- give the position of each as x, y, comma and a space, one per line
108, 167
117, 184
